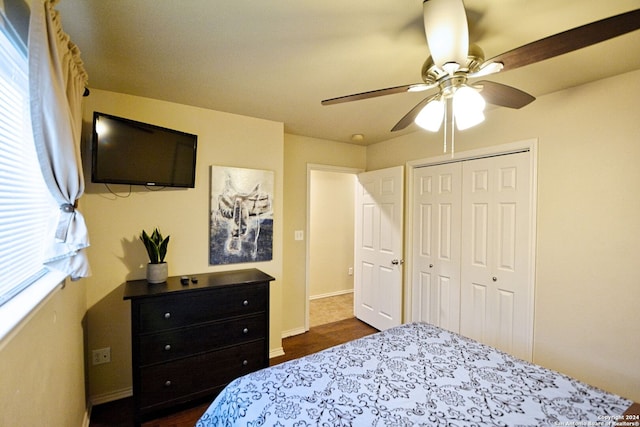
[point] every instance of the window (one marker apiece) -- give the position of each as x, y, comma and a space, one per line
25, 203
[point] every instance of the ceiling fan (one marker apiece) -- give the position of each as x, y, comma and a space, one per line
454, 62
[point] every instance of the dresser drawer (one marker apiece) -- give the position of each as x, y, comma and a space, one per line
177, 343
174, 311
184, 379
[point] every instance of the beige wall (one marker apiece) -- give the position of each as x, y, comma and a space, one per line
587, 321
331, 232
42, 380
300, 151
115, 222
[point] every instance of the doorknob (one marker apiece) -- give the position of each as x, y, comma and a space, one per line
397, 261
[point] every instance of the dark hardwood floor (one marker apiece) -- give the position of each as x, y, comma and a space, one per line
120, 412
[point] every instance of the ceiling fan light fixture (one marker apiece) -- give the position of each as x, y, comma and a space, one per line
468, 107
430, 117
469, 120
445, 23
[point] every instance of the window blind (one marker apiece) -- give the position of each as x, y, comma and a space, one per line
25, 203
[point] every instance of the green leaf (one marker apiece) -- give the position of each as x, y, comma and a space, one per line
155, 245
162, 249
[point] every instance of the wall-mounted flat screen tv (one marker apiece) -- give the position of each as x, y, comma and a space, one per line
125, 151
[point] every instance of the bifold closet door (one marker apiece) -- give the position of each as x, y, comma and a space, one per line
436, 245
496, 287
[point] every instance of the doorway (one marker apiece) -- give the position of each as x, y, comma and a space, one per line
330, 243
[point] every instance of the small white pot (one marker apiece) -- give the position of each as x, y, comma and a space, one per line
157, 273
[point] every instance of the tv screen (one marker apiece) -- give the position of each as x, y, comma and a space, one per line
128, 152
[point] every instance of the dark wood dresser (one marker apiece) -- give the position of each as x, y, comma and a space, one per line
189, 341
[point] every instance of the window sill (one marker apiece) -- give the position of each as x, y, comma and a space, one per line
16, 312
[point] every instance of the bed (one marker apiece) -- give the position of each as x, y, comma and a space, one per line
414, 374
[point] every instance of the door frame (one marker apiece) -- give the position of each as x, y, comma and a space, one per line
530, 145
307, 273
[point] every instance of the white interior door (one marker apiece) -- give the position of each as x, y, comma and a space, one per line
378, 254
436, 221
497, 287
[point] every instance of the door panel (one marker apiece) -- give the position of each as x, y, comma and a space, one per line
379, 217
366, 294
387, 298
479, 234
495, 284
436, 245
506, 256
388, 239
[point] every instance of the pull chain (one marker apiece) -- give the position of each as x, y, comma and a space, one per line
453, 132
446, 122
446, 114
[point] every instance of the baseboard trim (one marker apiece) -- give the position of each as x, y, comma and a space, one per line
86, 421
276, 352
292, 332
331, 294
99, 399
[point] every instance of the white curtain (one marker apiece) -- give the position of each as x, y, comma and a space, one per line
57, 81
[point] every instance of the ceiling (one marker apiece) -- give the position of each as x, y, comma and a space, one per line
278, 59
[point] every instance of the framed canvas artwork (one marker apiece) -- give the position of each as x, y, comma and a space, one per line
241, 217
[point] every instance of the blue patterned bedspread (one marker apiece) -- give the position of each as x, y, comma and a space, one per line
413, 375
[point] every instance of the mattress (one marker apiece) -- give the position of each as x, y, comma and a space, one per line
416, 374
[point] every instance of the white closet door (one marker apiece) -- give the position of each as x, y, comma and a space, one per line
496, 287
436, 245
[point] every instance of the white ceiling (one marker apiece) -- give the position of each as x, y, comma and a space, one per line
278, 59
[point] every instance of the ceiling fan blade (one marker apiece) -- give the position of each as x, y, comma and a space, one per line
570, 40
411, 115
503, 95
379, 92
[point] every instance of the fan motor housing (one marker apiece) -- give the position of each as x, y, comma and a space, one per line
432, 74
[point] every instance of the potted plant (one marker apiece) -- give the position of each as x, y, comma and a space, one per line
156, 247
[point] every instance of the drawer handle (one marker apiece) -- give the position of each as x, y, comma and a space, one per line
245, 303
167, 347
167, 315
245, 362
245, 331
167, 383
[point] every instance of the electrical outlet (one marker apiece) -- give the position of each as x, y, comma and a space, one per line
350, 271
101, 355
298, 235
